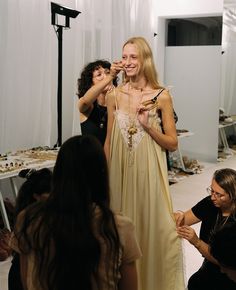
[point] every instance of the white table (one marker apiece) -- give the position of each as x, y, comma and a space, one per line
178, 154
223, 137
11, 176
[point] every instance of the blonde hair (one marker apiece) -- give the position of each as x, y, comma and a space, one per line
146, 59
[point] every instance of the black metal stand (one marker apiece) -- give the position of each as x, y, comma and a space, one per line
67, 13
59, 88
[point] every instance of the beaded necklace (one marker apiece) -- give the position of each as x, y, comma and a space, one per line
132, 129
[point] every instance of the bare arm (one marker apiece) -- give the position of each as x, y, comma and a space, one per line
190, 235
183, 222
104, 85
110, 111
91, 95
129, 280
185, 218
168, 139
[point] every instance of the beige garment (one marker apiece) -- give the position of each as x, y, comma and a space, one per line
130, 251
140, 190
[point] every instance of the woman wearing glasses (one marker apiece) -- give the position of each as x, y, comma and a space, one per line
214, 211
95, 81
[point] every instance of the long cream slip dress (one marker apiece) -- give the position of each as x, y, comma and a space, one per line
140, 190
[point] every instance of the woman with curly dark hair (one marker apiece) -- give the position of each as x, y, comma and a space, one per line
96, 80
73, 240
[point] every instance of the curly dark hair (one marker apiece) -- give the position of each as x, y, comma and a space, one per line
86, 80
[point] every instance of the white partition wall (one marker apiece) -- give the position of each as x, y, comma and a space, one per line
195, 74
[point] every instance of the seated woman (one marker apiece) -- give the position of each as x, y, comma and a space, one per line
96, 80
73, 240
214, 212
36, 188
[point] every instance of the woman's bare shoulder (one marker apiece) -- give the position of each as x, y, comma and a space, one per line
164, 94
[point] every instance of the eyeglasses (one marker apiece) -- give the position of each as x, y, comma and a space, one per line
215, 193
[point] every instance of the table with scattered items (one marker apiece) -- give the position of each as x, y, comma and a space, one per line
181, 133
12, 163
223, 137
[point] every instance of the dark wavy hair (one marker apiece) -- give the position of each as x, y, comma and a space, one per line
37, 182
85, 82
63, 239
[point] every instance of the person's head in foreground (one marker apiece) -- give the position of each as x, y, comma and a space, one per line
65, 233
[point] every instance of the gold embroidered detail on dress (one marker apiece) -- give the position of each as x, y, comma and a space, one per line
132, 129
123, 120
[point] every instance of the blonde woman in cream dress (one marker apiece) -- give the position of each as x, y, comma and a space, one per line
141, 128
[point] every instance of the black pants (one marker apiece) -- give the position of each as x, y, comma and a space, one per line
210, 277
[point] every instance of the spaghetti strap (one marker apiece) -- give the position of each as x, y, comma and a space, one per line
114, 95
116, 92
155, 98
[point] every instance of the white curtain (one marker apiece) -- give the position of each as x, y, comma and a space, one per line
228, 85
25, 80
28, 61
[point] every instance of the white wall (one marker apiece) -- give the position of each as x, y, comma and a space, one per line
192, 101
179, 8
194, 72
166, 9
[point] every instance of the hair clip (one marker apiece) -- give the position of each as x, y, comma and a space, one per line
150, 104
153, 103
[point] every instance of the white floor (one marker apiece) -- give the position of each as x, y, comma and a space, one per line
184, 195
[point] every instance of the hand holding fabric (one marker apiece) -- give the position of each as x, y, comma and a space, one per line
188, 234
179, 218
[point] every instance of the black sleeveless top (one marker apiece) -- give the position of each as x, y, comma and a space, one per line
96, 124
